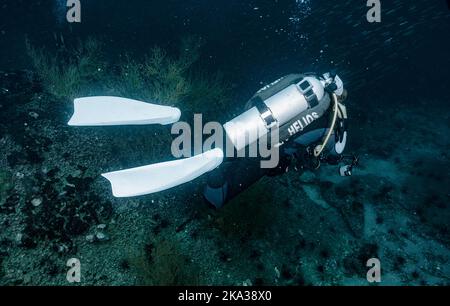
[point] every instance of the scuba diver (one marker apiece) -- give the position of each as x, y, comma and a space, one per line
303, 116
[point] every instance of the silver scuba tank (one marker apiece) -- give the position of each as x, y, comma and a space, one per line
277, 111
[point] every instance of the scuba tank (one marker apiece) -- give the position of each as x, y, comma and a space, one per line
289, 104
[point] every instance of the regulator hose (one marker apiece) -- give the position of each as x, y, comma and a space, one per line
318, 149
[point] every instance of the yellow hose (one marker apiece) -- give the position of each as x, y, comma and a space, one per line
318, 150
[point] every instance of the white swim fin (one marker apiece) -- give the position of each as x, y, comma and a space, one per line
162, 176
104, 110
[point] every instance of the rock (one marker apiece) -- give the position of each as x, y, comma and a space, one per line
247, 282
19, 237
101, 226
62, 248
101, 236
90, 238
77, 173
33, 115
36, 202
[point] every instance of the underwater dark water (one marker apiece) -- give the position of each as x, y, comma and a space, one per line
292, 230
256, 40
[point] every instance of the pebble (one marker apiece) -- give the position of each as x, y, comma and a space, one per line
36, 202
247, 283
27, 279
101, 226
90, 238
19, 237
62, 248
101, 236
33, 115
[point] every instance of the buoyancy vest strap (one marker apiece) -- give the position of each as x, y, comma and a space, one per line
307, 91
265, 112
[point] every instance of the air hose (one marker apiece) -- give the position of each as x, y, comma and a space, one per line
318, 150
